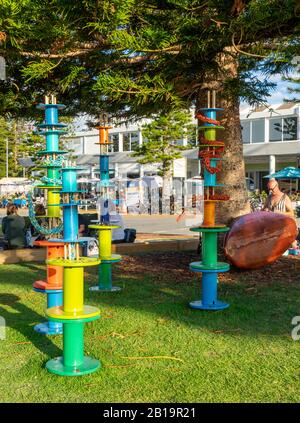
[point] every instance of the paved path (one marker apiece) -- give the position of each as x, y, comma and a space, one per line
160, 224
156, 224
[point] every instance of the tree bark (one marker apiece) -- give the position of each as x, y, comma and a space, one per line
233, 165
232, 174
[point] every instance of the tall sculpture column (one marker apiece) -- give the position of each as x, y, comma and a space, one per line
210, 154
105, 228
52, 158
73, 314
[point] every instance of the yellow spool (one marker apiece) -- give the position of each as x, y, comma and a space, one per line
53, 198
73, 290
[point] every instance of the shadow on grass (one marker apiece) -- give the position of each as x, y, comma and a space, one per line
254, 310
259, 310
22, 319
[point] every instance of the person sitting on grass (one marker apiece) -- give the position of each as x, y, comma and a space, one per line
32, 234
13, 228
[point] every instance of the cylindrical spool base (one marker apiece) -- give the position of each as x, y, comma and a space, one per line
54, 299
209, 294
105, 279
73, 362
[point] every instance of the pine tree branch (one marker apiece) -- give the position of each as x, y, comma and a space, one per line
73, 53
238, 50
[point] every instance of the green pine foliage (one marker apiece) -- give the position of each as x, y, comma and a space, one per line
16, 141
161, 139
137, 58
142, 58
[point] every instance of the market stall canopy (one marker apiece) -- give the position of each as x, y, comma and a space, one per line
286, 173
26, 162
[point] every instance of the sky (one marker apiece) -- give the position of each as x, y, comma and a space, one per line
278, 95
281, 92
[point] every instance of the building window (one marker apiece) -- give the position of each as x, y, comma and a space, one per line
258, 131
289, 128
134, 141
114, 138
130, 141
246, 132
253, 131
275, 130
126, 141
283, 129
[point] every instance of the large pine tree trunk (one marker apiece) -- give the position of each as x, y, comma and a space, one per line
233, 166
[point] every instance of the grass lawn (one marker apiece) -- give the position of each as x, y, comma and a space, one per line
152, 347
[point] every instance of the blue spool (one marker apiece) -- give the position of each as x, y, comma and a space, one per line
104, 219
210, 179
70, 216
104, 164
51, 114
69, 180
209, 293
54, 298
52, 142
211, 114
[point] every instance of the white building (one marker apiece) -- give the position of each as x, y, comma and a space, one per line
124, 141
271, 141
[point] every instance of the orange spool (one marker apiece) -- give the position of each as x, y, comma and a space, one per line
103, 134
209, 213
54, 273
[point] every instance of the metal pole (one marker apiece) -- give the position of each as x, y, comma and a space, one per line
6, 157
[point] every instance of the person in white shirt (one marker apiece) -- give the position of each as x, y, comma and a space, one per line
108, 207
116, 219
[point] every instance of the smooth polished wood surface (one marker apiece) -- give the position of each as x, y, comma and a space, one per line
259, 238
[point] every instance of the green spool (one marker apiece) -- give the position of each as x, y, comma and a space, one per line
73, 362
73, 344
105, 276
209, 249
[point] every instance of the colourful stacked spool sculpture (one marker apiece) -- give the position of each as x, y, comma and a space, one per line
103, 128
52, 287
106, 257
210, 153
73, 314
52, 162
105, 229
52, 130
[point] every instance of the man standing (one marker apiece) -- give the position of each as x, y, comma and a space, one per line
279, 202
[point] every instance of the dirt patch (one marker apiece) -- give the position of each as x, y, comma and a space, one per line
175, 266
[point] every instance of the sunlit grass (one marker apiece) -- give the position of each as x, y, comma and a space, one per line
152, 347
